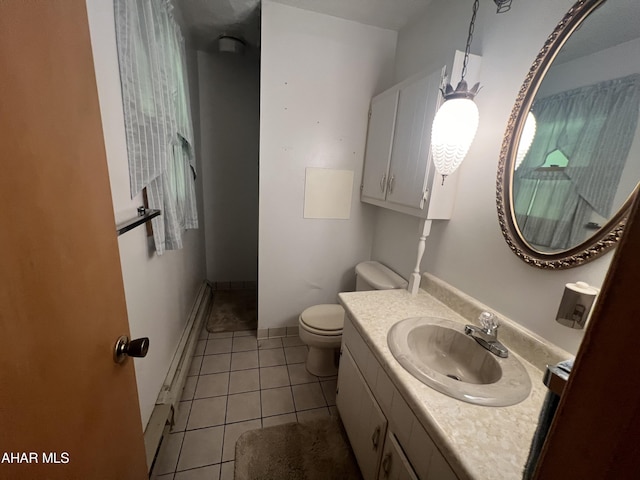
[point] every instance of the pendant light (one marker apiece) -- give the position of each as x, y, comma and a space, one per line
456, 121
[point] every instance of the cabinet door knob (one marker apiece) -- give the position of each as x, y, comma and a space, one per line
383, 182
386, 464
375, 438
392, 181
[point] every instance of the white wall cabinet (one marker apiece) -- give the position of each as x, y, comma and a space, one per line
398, 171
387, 439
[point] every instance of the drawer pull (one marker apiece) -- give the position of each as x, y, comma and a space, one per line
375, 438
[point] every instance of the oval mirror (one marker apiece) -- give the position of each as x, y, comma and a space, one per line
570, 159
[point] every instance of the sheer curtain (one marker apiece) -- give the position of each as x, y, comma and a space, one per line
593, 127
157, 115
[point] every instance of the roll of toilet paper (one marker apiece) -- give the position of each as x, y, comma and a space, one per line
576, 304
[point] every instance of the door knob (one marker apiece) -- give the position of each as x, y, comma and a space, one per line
130, 348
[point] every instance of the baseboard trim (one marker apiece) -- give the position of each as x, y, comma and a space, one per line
171, 391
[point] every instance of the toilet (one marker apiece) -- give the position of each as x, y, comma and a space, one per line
321, 325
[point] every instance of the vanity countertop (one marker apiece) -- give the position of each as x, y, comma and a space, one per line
478, 442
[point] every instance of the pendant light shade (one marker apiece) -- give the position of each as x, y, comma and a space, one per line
454, 128
526, 138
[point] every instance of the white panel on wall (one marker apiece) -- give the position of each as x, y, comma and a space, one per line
328, 193
318, 75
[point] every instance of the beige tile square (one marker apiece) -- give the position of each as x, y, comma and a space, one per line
262, 333
313, 414
244, 381
212, 472
212, 385
194, 367
244, 360
292, 341
278, 332
219, 335
243, 344
231, 434
169, 453
168, 476
227, 471
272, 377
329, 389
201, 448
296, 354
200, 346
276, 401
298, 374
278, 420
189, 388
207, 412
243, 406
218, 345
215, 363
293, 331
308, 396
271, 357
244, 333
181, 417
270, 343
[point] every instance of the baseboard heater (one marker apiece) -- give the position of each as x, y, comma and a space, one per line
166, 406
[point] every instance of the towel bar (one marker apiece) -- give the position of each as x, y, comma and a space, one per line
144, 215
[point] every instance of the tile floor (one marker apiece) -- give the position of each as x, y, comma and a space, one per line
238, 383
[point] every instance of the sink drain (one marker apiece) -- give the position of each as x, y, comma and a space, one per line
455, 377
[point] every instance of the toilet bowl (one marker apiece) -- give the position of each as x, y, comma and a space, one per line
321, 325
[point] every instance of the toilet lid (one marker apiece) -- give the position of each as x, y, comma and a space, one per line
324, 317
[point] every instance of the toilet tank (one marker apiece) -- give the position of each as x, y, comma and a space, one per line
376, 276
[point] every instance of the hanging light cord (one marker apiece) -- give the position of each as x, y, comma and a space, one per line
472, 25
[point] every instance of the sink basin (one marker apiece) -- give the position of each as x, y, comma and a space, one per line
438, 353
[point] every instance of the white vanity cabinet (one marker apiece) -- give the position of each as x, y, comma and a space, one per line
387, 439
398, 171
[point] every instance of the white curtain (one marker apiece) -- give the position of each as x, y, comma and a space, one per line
593, 127
157, 115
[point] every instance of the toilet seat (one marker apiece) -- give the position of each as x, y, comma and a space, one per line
326, 320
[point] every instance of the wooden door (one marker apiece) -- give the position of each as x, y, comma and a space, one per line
67, 410
596, 429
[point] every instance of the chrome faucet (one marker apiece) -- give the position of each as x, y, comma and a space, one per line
487, 334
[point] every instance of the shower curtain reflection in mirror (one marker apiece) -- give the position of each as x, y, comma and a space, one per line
568, 181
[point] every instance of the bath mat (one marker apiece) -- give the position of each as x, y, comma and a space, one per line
233, 310
314, 450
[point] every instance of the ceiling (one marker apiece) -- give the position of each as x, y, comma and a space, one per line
206, 20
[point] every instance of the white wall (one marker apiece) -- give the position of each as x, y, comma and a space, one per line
318, 75
160, 291
230, 125
469, 251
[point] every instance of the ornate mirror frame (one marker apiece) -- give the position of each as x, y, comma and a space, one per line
607, 236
